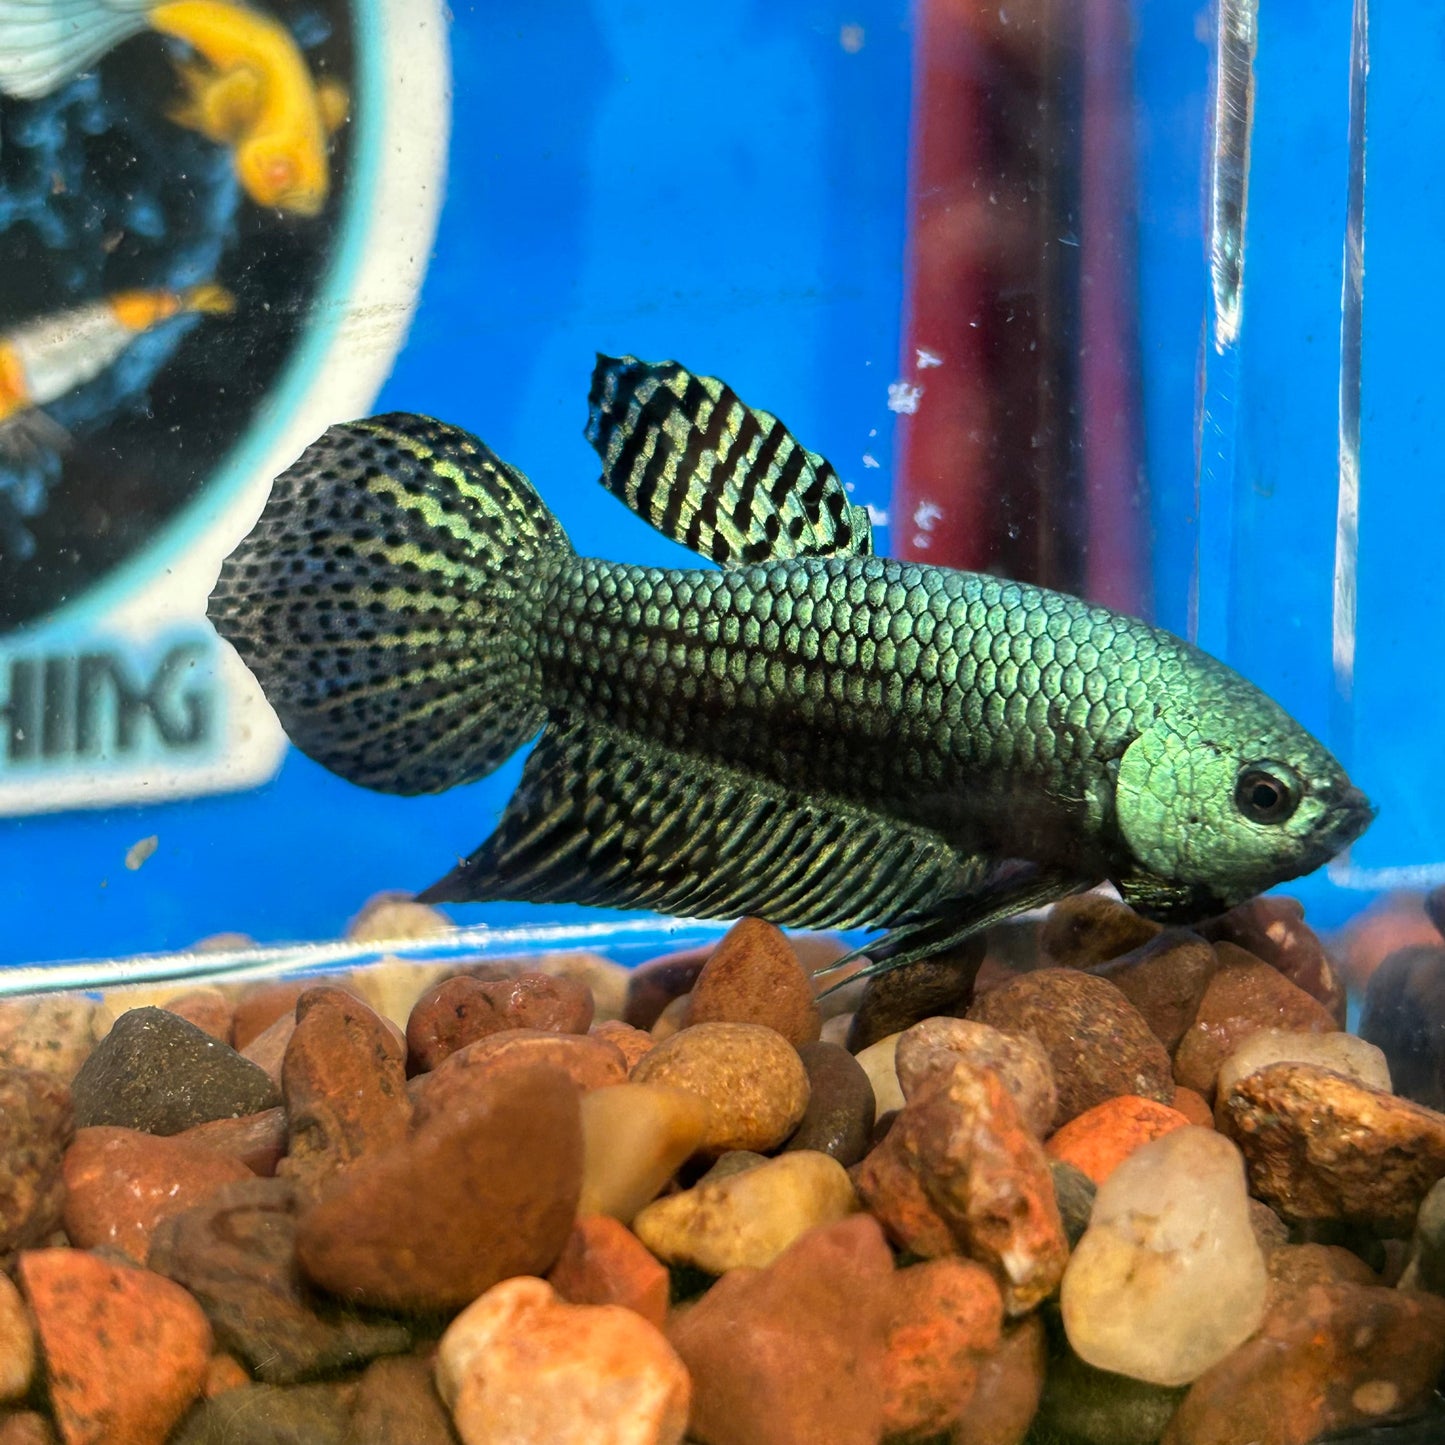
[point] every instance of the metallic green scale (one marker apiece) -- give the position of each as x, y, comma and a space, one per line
986, 709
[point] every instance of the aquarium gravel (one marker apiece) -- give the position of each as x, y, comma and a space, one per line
1131, 1184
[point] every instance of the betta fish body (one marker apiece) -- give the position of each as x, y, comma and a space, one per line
805, 732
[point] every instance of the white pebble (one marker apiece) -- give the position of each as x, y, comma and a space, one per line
1346, 1054
1168, 1278
879, 1063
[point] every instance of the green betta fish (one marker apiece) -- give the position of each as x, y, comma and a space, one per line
804, 731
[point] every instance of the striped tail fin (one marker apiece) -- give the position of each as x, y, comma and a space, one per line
387, 600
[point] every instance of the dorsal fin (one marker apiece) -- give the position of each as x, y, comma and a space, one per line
724, 479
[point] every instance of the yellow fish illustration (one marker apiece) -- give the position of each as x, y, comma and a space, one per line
43, 359
249, 87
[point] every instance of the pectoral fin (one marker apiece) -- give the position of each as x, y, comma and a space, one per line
602, 818
955, 920
724, 479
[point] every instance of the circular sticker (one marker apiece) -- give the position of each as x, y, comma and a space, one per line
214, 222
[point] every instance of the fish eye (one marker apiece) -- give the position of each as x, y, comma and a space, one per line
1266, 793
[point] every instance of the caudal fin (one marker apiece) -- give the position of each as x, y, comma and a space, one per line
387, 600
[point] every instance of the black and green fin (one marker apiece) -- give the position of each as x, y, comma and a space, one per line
604, 819
726, 480
386, 601
956, 919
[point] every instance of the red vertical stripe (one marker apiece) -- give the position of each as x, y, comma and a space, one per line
940, 499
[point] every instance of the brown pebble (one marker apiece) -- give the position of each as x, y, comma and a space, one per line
673, 1019
839, 1118
1404, 1017
272, 1415
754, 977
344, 1082
1194, 1106
1244, 996
260, 1005
1097, 1041
459, 1011
471, 1198
751, 1077
36, 1126
53, 1034
237, 1255
891, 1189
632, 1042
1091, 928
120, 1184
589, 1060
1396, 921
1270, 1231
397, 1404
1328, 1357
604, 979
987, 1175
930, 988
208, 1008
1274, 930
1319, 1146
1435, 908
268, 1049
1010, 1385
1165, 980
224, 1372
157, 1345
828, 1298
1297, 1266
26, 1427
934, 1045
656, 983
604, 1263
17, 1345
946, 1315
257, 1140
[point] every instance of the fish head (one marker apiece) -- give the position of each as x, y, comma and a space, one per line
284, 171
1223, 795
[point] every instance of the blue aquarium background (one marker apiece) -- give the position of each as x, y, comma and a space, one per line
727, 185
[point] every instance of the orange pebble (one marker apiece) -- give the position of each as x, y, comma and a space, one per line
1101, 1138
604, 1263
1194, 1107
224, 1372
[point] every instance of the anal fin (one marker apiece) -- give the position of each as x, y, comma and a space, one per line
726, 480
602, 818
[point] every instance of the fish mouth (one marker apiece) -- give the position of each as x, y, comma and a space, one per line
1351, 812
